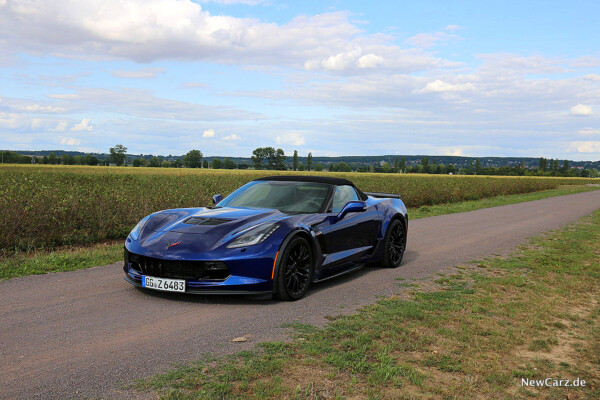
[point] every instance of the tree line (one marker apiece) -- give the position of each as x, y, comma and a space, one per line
11, 157
552, 167
270, 158
192, 159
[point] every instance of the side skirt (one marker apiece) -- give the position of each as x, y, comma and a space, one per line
347, 271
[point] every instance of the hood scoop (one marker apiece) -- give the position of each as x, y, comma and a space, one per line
205, 221
220, 222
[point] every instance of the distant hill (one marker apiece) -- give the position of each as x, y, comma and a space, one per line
459, 161
355, 161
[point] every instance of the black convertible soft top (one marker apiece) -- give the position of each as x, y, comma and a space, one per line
311, 178
301, 178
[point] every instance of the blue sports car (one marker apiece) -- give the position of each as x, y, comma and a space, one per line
274, 235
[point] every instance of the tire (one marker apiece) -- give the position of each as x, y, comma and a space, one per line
395, 244
295, 270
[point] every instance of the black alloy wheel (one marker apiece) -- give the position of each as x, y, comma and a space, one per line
395, 244
295, 270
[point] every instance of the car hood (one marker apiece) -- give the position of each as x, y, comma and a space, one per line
204, 228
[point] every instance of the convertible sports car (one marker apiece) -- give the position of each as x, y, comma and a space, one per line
274, 235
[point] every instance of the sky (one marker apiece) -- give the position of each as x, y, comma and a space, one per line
469, 78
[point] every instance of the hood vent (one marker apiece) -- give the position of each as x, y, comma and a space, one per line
205, 221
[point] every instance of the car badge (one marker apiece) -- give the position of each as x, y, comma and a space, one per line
169, 244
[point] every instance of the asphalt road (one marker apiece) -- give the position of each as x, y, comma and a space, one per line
80, 334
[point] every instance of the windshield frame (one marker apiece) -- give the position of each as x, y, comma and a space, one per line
322, 209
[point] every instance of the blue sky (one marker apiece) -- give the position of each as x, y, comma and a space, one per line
472, 78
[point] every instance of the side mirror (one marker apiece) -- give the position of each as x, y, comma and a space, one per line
352, 206
217, 198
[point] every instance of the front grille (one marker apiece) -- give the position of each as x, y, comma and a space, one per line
177, 269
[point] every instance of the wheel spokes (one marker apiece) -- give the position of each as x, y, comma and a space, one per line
297, 269
396, 244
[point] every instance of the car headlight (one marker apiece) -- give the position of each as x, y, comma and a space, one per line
253, 236
135, 232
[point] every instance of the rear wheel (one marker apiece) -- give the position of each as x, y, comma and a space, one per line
395, 244
295, 270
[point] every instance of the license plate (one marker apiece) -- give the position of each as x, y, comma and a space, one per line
168, 285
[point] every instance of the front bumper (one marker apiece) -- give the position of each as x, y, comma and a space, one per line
192, 290
245, 275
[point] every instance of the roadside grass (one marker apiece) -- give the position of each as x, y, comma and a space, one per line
68, 258
71, 258
463, 206
475, 333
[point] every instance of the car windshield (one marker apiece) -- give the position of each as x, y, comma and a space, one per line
287, 197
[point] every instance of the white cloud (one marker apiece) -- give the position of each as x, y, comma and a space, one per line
346, 60
37, 124
142, 103
144, 73
589, 146
192, 85
592, 77
366, 76
70, 141
209, 133
84, 125
60, 127
341, 61
294, 139
589, 131
586, 62
581, 110
439, 86
22, 122
64, 96
61, 79
27, 106
369, 61
498, 98
512, 65
454, 28
145, 31
232, 137
453, 151
42, 109
9, 121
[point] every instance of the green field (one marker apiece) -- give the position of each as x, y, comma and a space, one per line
49, 206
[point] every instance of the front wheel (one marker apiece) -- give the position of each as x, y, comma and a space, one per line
295, 270
395, 244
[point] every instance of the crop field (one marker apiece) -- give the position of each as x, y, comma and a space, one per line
48, 206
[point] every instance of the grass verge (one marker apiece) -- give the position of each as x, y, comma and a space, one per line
78, 257
475, 333
463, 206
60, 260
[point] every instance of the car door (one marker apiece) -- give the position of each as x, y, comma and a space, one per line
349, 238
